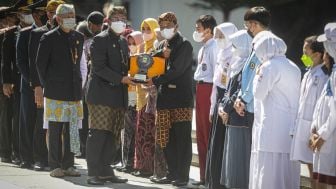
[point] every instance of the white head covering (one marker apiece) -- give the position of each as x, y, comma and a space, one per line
329, 39
268, 46
65, 9
227, 29
242, 43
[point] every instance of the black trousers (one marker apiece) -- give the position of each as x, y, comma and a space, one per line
9, 124
83, 133
179, 151
39, 139
27, 123
101, 150
59, 146
215, 148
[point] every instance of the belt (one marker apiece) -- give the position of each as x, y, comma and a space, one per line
203, 82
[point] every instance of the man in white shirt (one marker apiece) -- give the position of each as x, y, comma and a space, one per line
204, 76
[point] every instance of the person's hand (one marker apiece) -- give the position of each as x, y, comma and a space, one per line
38, 92
239, 107
319, 143
149, 82
8, 89
166, 51
127, 80
223, 115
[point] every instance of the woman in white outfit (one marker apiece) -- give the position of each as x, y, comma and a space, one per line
323, 139
276, 87
311, 88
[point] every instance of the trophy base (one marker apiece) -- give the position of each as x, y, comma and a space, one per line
140, 78
139, 81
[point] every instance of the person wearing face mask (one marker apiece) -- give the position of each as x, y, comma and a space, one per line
257, 19
11, 75
276, 89
220, 80
174, 102
145, 128
323, 135
9, 19
237, 144
39, 139
92, 26
58, 65
134, 40
107, 98
27, 104
311, 87
204, 74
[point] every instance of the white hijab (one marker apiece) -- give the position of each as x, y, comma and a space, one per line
267, 46
225, 54
242, 43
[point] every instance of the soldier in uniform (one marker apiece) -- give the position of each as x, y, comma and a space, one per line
5, 143
39, 137
27, 105
11, 80
58, 65
174, 101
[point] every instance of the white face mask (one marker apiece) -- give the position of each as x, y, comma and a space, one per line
221, 43
118, 27
27, 19
168, 33
198, 36
69, 23
133, 49
147, 36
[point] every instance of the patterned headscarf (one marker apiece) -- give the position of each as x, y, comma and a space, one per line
168, 16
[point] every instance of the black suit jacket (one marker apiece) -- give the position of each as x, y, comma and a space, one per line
58, 64
110, 62
34, 42
175, 86
10, 73
22, 60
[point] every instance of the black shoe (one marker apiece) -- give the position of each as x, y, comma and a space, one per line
115, 179
179, 183
16, 161
163, 180
25, 165
38, 166
6, 160
95, 181
198, 183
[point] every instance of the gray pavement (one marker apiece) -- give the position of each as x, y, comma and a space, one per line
13, 177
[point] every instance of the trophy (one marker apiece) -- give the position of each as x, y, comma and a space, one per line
144, 66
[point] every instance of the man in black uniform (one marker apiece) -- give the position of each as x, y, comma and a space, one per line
27, 105
58, 65
5, 139
39, 139
11, 84
175, 100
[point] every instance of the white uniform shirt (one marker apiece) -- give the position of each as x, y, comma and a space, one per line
276, 87
311, 88
207, 56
